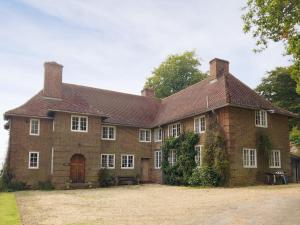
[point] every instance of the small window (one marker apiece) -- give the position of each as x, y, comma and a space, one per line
249, 158
157, 159
261, 118
199, 125
127, 161
35, 127
275, 160
145, 135
172, 157
174, 130
108, 133
108, 161
198, 156
33, 162
79, 123
158, 134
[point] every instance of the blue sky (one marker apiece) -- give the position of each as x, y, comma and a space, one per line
116, 44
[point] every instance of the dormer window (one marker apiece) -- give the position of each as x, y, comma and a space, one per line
261, 118
35, 127
79, 123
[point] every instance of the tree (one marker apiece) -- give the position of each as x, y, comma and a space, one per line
279, 88
275, 20
175, 73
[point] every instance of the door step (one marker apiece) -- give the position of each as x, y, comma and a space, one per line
80, 185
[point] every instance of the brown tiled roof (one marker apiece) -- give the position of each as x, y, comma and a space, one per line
140, 111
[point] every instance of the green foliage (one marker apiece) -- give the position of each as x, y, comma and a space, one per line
45, 185
8, 183
175, 73
264, 144
105, 179
184, 146
295, 136
204, 176
279, 88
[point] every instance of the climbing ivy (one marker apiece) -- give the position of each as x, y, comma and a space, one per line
264, 144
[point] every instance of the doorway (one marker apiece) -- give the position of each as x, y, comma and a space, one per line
145, 170
77, 168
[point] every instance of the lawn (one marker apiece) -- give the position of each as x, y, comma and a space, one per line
161, 204
9, 214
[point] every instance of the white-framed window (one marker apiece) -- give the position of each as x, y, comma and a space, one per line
174, 130
79, 123
275, 159
172, 157
34, 127
108, 132
157, 159
199, 124
198, 156
145, 135
127, 161
33, 160
158, 134
249, 158
261, 118
108, 161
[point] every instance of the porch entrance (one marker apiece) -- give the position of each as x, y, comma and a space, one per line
145, 170
77, 168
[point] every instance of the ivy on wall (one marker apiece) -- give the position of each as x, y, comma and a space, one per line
264, 146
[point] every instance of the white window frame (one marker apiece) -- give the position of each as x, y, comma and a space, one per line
272, 159
174, 126
199, 160
172, 157
259, 114
157, 159
127, 156
108, 127
198, 129
140, 136
37, 163
30, 128
158, 135
107, 161
247, 158
79, 119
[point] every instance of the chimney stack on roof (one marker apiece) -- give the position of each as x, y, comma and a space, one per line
53, 80
218, 68
148, 92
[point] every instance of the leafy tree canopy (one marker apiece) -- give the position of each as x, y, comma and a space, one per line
275, 20
175, 73
279, 88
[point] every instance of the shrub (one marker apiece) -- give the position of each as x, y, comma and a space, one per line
105, 179
45, 185
205, 176
7, 182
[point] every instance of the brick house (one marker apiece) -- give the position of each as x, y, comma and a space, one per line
67, 132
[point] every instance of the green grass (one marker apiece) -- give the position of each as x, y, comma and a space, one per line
9, 214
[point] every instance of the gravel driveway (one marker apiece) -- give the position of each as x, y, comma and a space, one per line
159, 204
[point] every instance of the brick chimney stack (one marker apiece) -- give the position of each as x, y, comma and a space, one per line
53, 80
218, 68
148, 92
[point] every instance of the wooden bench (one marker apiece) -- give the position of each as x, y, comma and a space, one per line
121, 180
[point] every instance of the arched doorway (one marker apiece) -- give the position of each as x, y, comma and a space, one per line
77, 168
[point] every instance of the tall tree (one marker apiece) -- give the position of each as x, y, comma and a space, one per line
175, 73
275, 20
279, 88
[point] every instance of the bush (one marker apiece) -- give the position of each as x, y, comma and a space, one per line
7, 182
204, 176
105, 179
45, 185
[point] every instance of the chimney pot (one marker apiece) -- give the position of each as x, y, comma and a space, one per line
218, 68
53, 80
148, 92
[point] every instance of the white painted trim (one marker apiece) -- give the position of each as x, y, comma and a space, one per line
115, 133
30, 126
255, 156
145, 135
156, 167
176, 128
158, 129
87, 123
279, 154
110, 168
201, 154
38, 160
127, 168
259, 125
200, 131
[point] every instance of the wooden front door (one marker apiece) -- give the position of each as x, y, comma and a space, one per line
77, 168
145, 170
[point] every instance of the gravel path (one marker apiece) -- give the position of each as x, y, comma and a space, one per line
159, 204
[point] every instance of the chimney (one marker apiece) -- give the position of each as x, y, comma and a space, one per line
148, 92
218, 68
53, 80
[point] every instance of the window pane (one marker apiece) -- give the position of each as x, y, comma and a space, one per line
83, 123
104, 161
111, 162
105, 132
124, 161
